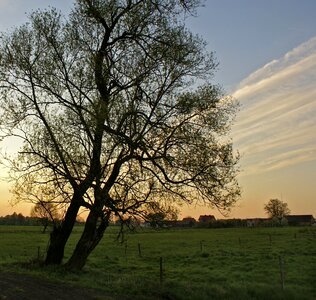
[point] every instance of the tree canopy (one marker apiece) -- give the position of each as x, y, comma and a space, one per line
116, 110
276, 208
46, 212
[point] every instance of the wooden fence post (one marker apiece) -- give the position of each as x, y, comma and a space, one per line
125, 250
281, 264
139, 250
160, 271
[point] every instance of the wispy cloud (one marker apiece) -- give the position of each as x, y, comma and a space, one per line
276, 127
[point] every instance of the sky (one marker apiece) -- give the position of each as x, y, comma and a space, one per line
267, 60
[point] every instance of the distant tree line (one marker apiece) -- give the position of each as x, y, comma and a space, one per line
19, 219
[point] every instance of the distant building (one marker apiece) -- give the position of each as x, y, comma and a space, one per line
188, 222
300, 220
206, 218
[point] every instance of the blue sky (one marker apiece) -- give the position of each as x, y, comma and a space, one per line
267, 55
247, 34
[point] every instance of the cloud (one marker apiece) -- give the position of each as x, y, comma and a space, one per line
276, 126
304, 50
273, 80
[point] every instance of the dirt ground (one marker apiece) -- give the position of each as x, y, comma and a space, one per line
24, 287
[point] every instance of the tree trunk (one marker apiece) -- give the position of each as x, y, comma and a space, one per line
45, 227
90, 238
60, 235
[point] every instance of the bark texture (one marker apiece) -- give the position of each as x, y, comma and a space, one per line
91, 236
60, 235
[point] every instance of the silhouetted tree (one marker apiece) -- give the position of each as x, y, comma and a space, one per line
277, 209
114, 107
46, 212
157, 214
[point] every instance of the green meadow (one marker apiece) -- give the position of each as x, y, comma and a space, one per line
238, 263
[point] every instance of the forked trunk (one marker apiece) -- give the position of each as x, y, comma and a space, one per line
60, 235
90, 238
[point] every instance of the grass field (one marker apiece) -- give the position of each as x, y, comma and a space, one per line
239, 263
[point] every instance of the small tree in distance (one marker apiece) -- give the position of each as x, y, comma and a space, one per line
46, 212
157, 214
277, 209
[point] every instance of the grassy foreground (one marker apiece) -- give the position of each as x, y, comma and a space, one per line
244, 263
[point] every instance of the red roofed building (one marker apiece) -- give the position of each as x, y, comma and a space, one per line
206, 218
188, 221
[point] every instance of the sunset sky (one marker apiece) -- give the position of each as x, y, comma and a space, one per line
267, 55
